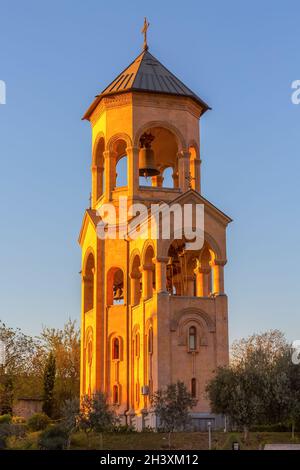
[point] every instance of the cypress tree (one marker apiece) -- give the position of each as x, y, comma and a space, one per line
49, 381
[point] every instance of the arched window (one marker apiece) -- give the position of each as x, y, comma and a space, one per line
193, 387
192, 338
150, 341
137, 345
121, 172
168, 178
115, 395
116, 348
115, 286
88, 282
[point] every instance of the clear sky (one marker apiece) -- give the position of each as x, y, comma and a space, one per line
240, 57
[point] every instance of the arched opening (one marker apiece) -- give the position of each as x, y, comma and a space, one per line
98, 180
115, 394
165, 149
115, 286
136, 281
194, 168
149, 273
88, 282
168, 181
193, 387
121, 172
117, 171
88, 360
116, 349
192, 338
205, 272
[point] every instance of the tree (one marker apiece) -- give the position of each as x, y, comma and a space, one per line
70, 416
65, 345
260, 386
172, 406
49, 380
6, 394
96, 415
237, 393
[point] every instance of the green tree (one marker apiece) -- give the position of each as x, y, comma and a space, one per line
49, 381
96, 415
257, 387
70, 416
65, 345
172, 406
6, 394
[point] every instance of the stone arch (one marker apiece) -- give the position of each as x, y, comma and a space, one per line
116, 137
186, 323
192, 313
88, 276
150, 124
100, 137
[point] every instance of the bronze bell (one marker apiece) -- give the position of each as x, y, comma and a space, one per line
147, 165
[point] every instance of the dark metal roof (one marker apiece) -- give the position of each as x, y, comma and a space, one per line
147, 74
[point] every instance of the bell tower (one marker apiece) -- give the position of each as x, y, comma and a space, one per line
153, 312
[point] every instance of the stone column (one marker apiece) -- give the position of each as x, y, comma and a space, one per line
202, 287
97, 184
189, 279
157, 181
110, 173
133, 170
161, 274
135, 288
218, 276
147, 272
183, 169
196, 174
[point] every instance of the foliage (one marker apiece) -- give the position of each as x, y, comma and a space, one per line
172, 406
65, 345
7, 430
6, 394
19, 349
261, 386
53, 438
96, 414
49, 380
26, 358
38, 422
5, 419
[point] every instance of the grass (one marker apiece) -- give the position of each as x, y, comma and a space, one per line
159, 441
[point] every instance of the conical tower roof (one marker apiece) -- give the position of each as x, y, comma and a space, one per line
147, 74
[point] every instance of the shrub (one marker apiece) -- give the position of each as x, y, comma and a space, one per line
4, 434
5, 419
53, 438
18, 420
124, 429
38, 422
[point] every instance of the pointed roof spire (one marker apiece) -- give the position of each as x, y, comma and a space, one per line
146, 74
144, 31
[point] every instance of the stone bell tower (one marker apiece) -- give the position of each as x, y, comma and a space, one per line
153, 312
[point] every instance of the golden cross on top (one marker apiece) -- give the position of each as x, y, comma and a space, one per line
144, 31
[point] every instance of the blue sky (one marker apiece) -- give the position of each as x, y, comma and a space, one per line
239, 57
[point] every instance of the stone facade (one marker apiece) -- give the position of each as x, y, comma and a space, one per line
153, 312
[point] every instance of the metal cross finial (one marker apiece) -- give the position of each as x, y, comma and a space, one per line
189, 178
144, 31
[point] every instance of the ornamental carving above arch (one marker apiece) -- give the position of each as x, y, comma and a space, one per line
180, 317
